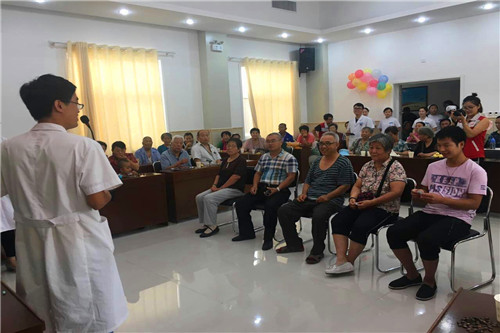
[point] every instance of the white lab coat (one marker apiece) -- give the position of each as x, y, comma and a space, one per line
355, 127
7, 214
66, 269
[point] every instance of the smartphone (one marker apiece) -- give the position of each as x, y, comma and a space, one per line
267, 193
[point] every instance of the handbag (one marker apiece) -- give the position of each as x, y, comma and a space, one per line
369, 195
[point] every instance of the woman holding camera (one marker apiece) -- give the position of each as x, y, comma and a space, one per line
374, 201
474, 125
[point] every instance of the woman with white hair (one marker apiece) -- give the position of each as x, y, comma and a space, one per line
426, 147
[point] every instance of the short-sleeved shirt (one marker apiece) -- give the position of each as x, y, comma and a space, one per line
168, 158
358, 146
371, 178
355, 127
321, 129
162, 148
322, 182
275, 169
206, 157
236, 167
421, 148
287, 137
143, 158
494, 135
114, 161
388, 122
249, 144
427, 121
400, 146
310, 138
436, 118
454, 183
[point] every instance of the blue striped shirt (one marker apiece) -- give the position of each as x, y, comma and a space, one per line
275, 170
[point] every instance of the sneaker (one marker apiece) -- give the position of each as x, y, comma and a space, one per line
426, 292
403, 282
346, 267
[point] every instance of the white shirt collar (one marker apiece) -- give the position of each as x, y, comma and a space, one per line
48, 127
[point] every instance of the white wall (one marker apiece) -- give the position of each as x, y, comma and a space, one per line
26, 54
465, 48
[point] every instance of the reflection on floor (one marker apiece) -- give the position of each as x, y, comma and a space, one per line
176, 282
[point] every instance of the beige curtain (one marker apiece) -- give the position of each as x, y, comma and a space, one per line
121, 90
273, 93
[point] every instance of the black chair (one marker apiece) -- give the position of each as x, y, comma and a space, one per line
157, 166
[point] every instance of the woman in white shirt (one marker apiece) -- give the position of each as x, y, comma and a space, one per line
388, 121
422, 112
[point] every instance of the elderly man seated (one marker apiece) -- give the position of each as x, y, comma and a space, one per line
203, 151
175, 157
118, 150
147, 154
329, 177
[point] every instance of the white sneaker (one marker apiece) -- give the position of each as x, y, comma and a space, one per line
344, 268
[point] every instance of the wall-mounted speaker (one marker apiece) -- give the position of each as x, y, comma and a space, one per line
306, 59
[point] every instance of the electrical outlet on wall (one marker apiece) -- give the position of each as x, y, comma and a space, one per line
492, 114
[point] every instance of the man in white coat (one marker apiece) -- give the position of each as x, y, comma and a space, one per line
57, 183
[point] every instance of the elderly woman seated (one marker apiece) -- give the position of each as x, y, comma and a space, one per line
361, 144
426, 147
228, 184
400, 147
374, 201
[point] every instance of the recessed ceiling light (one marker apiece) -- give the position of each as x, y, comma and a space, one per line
189, 21
422, 19
284, 35
367, 31
320, 40
124, 11
242, 29
40, 1
488, 6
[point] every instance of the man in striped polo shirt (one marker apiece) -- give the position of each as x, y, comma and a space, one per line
322, 195
274, 172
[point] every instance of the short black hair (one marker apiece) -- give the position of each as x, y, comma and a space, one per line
334, 124
357, 105
445, 119
40, 94
498, 117
237, 141
119, 144
188, 134
255, 129
365, 108
423, 107
225, 132
304, 127
326, 116
456, 134
474, 100
388, 108
406, 109
165, 134
234, 136
391, 129
102, 143
420, 122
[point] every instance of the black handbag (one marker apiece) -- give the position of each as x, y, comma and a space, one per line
369, 195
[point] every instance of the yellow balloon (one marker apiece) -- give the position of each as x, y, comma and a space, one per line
362, 86
367, 70
356, 82
388, 87
381, 94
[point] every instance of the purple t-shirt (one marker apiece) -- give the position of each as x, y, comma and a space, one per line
454, 183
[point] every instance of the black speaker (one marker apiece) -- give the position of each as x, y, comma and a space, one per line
306, 59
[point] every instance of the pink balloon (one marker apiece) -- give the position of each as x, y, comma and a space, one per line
371, 91
359, 73
373, 83
350, 85
367, 77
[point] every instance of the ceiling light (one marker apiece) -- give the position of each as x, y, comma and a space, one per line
189, 21
488, 6
367, 31
242, 29
320, 40
422, 19
124, 11
284, 35
40, 1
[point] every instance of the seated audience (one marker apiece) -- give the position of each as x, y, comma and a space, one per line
388, 121
167, 139
413, 137
236, 136
103, 145
274, 172
305, 139
225, 136
400, 147
203, 151
255, 142
118, 150
188, 142
126, 169
147, 154
285, 136
342, 140
452, 190
435, 115
229, 183
445, 122
374, 201
422, 112
362, 144
495, 135
323, 127
322, 195
175, 157
357, 124
426, 147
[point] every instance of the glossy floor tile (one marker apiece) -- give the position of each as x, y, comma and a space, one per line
176, 282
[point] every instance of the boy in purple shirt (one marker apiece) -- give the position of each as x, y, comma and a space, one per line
452, 189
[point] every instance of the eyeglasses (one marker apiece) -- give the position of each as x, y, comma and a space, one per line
272, 141
80, 106
325, 144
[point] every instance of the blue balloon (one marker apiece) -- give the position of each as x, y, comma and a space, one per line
376, 73
381, 86
383, 78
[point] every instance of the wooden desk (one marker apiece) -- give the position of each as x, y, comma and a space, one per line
183, 186
247, 156
146, 169
17, 316
464, 304
138, 203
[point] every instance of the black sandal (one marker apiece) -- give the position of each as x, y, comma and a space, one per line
201, 230
211, 233
314, 258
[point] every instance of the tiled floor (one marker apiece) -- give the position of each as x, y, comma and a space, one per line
177, 282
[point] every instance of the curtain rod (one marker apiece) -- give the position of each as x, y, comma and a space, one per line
61, 45
234, 59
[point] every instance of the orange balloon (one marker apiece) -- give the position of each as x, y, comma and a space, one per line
351, 76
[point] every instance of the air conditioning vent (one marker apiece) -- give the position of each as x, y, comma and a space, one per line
285, 5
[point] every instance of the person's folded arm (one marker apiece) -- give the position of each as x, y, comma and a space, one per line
98, 200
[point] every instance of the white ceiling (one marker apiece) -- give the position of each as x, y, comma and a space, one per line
331, 20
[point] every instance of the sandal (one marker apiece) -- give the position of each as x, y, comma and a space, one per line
211, 233
286, 249
201, 230
314, 258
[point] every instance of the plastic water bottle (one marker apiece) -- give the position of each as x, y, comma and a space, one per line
493, 143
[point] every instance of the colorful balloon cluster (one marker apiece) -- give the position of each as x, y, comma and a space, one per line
373, 82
